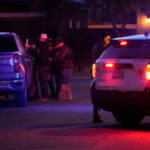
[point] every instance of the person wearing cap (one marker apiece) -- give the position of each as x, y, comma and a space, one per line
43, 65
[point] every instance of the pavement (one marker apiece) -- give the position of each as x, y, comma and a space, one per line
81, 73
67, 125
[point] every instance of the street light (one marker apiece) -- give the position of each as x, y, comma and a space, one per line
148, 19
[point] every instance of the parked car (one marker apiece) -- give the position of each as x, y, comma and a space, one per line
121, 79
15, 68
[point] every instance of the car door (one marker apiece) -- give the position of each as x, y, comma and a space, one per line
27, 63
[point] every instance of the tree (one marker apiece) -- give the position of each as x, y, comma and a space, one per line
117, 11
42, 5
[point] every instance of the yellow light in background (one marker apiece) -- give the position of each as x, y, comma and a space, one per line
148, 66
148, 75
148, 19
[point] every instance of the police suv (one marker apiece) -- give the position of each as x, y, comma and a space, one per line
121, 78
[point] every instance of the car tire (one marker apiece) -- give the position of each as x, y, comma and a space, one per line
21, 97
128, 117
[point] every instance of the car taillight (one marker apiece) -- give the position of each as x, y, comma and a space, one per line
94, 70
148, 72
16, 63
109, 65
123, 43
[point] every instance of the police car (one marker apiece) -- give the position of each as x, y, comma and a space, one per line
121, 78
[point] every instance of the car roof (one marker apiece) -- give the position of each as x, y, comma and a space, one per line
133, 37
7, 34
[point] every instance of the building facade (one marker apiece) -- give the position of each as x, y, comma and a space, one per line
35, 16
143, 16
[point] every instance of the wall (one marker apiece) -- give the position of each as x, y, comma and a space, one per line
143, 10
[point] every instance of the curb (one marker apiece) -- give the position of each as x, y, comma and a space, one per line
82, 77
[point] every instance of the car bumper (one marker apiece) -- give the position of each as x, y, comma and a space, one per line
11, 85
117, 100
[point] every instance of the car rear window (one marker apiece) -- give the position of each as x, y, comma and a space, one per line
133, 49
8, 44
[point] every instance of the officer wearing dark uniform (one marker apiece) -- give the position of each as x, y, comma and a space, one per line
61, 64
43, 65
64, 64
96, 51
52, 68
33, 55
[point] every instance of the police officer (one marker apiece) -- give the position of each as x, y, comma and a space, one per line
96, 51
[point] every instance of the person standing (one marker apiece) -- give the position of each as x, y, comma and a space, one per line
51, 69
43, 65
64, 65
100, 46
96, 51
33, 55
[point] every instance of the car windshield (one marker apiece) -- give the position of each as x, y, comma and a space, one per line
137, 49
7, 44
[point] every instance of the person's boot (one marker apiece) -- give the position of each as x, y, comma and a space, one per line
97, 115
51, 85
52, 95
97, 120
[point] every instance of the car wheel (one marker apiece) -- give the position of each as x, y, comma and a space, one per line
128, 117
21, 97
